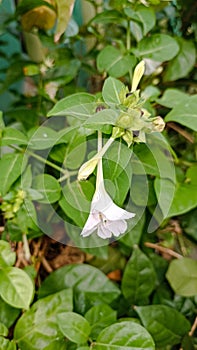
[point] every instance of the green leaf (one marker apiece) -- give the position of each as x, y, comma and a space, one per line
6, 344
80, 105
94, 245
7, 256
172, 97
48, 187
100, 316
26, 178
185, 197
74, 201
165, 190
139, 278
64, 11
38, 327
2, 124
8, 314
87, 282
185, 113
109, 16
158, 47
59, 344
133, 235
166, 325
3, 330
75, 150
143, 19
16, 287
27, 5
11, 167
111, 91
13, 136
100, 119
182, 276
183, 63
124, 335
73, 326
42, 138
114, 62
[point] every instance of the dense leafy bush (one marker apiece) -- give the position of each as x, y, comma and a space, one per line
73, 114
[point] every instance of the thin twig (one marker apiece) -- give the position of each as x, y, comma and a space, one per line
181, 131
194, 326
46, 265
163, 249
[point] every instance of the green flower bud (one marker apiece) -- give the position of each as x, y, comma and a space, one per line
87, 168
117, 132
128, 137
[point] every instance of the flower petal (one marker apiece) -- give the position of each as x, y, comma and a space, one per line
91, 224
117, 227
103, 231
113, 213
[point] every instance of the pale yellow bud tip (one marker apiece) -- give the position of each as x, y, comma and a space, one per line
159, 124
87, 168
137, 75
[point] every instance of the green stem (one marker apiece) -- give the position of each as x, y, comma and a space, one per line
128, 43
41, 159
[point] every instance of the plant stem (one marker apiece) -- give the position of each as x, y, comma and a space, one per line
163, 249
41, 159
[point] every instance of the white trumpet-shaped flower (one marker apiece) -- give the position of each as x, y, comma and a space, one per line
105, 216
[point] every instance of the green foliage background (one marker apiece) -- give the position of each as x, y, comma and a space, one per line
62, 66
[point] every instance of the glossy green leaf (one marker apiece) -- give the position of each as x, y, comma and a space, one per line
111, 90
183, 63
185, 197
16, 287
48, 187
124, 335
89, 284
182, 276
80, 106
13, 136
100, 316
172, 98
185, 113
74, 327
114, 62
8, 314
7, 256
38, 327
166, 325
74, 201
6, 344
158, 47
3, 330
139, 278
11, 167
42, 138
